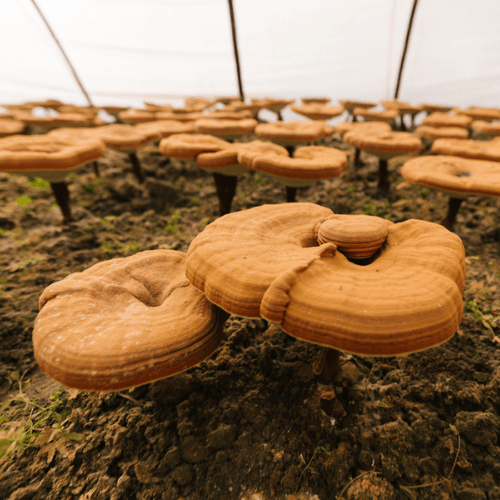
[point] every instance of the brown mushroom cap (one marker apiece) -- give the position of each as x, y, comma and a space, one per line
191, 145
125, 322
344, 127
484, 127
166, 128
27, 153
430, 108
10, 127
181, 117
350, 105
457, 176
294, 132
266, 261
318, 111
315, 100
468, 148
479, 113
388, 115
383, 144
357, 236
227, 114
440, 119
308, 162
402, 107
136, 116
441, 132
226, 128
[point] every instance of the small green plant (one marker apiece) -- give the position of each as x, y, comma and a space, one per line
24, 200
350, 190
89, 188
38, 183
260, 179
173, 223
371, 209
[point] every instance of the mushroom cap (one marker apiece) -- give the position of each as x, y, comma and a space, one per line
455, 175
441, 132
276, 105
166, 128
191, 145
376, 141
265, 261
62, 119
294, 131
181, 117
308, 162
467, 148
350, 105
388, 115
402, 107
47, 152
151, 106
440, 119
318, 111
430, 108
136, 116
227, 114
10, 127
344, 127
125, 322
314, 100
479, 113
487, 128
357, 236
225, 127
125, 137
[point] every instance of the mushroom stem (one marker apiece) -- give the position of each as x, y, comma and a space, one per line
291, 194
383, 175
61, 194
357, 153
95, 166
136, 166
327, 367
453, 207
225, 186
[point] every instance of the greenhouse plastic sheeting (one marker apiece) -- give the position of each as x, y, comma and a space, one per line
128, 51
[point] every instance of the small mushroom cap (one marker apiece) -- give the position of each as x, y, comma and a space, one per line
136, 116
388, 115
484, 127
315, 100
191, 145
458, 176
47, 152
479, 113
350, 105
166, 128
225, 127
125, 137
308, 162
440, 119
317, 111
402, 107
294, 131
430, 108
227, 114
266, 261
10, 127
387, 142
357, 236
344, 127
467, 148
441, 132
125, 322
182, 117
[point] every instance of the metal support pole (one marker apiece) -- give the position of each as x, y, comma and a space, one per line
405, 50
73, 71
235, 48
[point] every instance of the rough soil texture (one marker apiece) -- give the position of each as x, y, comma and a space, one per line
251, 422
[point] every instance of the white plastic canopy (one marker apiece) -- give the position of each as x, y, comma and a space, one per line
129, 51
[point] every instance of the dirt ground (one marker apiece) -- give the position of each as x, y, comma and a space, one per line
248, 423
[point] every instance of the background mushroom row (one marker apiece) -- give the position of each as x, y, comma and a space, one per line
226, 138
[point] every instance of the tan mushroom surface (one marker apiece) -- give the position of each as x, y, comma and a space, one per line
318, 111
388, 115
485, 128
314, 100
431, 133
50, 122
189, 146
344, 127
430, 108
294, 132
441, 119
125, 322
479, 113
457, 176
181, 117
266, 262
226, 128
166, 128
468, 148
227, 114
136, 116
350, 105
10, 127
308, 163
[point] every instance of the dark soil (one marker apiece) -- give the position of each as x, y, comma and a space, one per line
251, 422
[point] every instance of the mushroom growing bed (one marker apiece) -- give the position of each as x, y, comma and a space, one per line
251, 421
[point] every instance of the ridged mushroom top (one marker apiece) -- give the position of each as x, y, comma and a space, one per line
479, 113
225, 127
267, 262
350, 105
318, 111
344, 127
125, 322
191, 145
468, 148
388, 115
47, 152
441, 119
441, 132
10, 127
297, 131
380, 140
460, 176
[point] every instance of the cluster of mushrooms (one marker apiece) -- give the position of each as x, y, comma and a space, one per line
226, 137
352, 283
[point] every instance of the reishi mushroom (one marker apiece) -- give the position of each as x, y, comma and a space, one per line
267, 262
455, 176
125, 322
